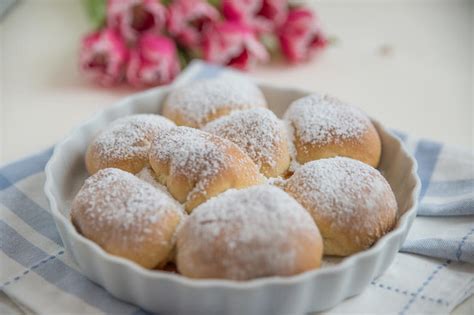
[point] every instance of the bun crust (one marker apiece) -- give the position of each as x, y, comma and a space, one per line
245, 234
260, 134
195, 165
124, 144
324, 127
127, 217
197, 103
351, 202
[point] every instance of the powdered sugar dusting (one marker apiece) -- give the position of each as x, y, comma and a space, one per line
194, 154
321, 120
198, 100
342, 189
147, 175
116, 200
255, 226
256, 131
130, 136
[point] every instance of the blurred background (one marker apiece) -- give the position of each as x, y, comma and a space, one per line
408, 63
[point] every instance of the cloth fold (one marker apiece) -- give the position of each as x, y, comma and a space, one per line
432, 273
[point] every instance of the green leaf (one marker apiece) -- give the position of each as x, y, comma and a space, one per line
96, 11
184, 58
215, 3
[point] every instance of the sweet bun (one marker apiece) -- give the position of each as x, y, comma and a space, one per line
250, 233
260, 134
323, 127
351, 202
124, 144
127, 217
199, 102
195, 165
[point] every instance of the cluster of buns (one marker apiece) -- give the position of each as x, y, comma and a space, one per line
223, 188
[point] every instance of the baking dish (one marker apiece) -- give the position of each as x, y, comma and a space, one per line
164, 292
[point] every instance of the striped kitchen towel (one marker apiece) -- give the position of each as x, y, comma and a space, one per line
433, 273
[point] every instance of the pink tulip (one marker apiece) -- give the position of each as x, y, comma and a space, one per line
154, 61
103, 56
261, 15
233, 44
134, 17
188, 18
275, 11
300, 36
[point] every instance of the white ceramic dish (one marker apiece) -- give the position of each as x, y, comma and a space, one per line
169, 293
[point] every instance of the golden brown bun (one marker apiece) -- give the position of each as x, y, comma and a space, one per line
351, 202
197, 103
126, 217
124, 144
260, 134
195, 165
250, 233
323, 127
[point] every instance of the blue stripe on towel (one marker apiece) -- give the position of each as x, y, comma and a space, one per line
451, 188
461, 207
13, 172
426, 154
13, 245
441, 248
4, 182
30, 212
59, 274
